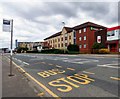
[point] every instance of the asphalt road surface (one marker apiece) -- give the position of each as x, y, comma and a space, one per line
73, 75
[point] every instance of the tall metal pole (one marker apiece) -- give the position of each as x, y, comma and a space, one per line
11, 52
63, 37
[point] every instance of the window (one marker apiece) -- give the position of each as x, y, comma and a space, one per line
65, 38
84, 45
84, 29
69, 37
58, 45
62, 45
55, 40
65, 44
58, 39
84, 37
80, 38
62, 39
79, 31
80, 46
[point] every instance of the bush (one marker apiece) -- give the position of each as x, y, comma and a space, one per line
95, 51
60, 51
104, 51
21, 49
32, 51
48, 51
73, 52
54, 51
98, 46
73, 48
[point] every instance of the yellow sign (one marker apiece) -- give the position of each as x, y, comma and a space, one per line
76, 78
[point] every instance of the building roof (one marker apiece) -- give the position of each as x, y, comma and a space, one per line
69, 29
88, 24
113, 28
54, 35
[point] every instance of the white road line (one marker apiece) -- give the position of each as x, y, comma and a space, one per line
26, 63
80, 61
77, 62
108, 66
58, 66
21, 61
88, 72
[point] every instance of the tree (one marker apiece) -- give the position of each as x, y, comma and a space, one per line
19, 49
98, 45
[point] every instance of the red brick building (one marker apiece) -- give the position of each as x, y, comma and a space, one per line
85, 35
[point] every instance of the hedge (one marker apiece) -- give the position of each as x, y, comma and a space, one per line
104, 51
73, 48
58, 51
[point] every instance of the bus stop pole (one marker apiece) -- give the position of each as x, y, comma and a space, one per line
11, 52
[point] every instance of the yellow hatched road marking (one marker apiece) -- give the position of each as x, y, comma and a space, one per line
40, 84
88, 72
115, 78
40, 94
71, 69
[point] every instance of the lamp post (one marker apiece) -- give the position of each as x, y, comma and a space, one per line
63, 37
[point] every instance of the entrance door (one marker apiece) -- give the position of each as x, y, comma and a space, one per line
113, 47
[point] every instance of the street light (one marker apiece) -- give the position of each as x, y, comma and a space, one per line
63, 37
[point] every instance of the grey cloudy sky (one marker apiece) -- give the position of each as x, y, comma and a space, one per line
36, 20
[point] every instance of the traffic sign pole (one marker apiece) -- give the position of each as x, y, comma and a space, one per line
11, 52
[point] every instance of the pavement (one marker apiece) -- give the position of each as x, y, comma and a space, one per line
17, 85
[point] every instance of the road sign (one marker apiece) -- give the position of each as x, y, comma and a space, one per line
6, 25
